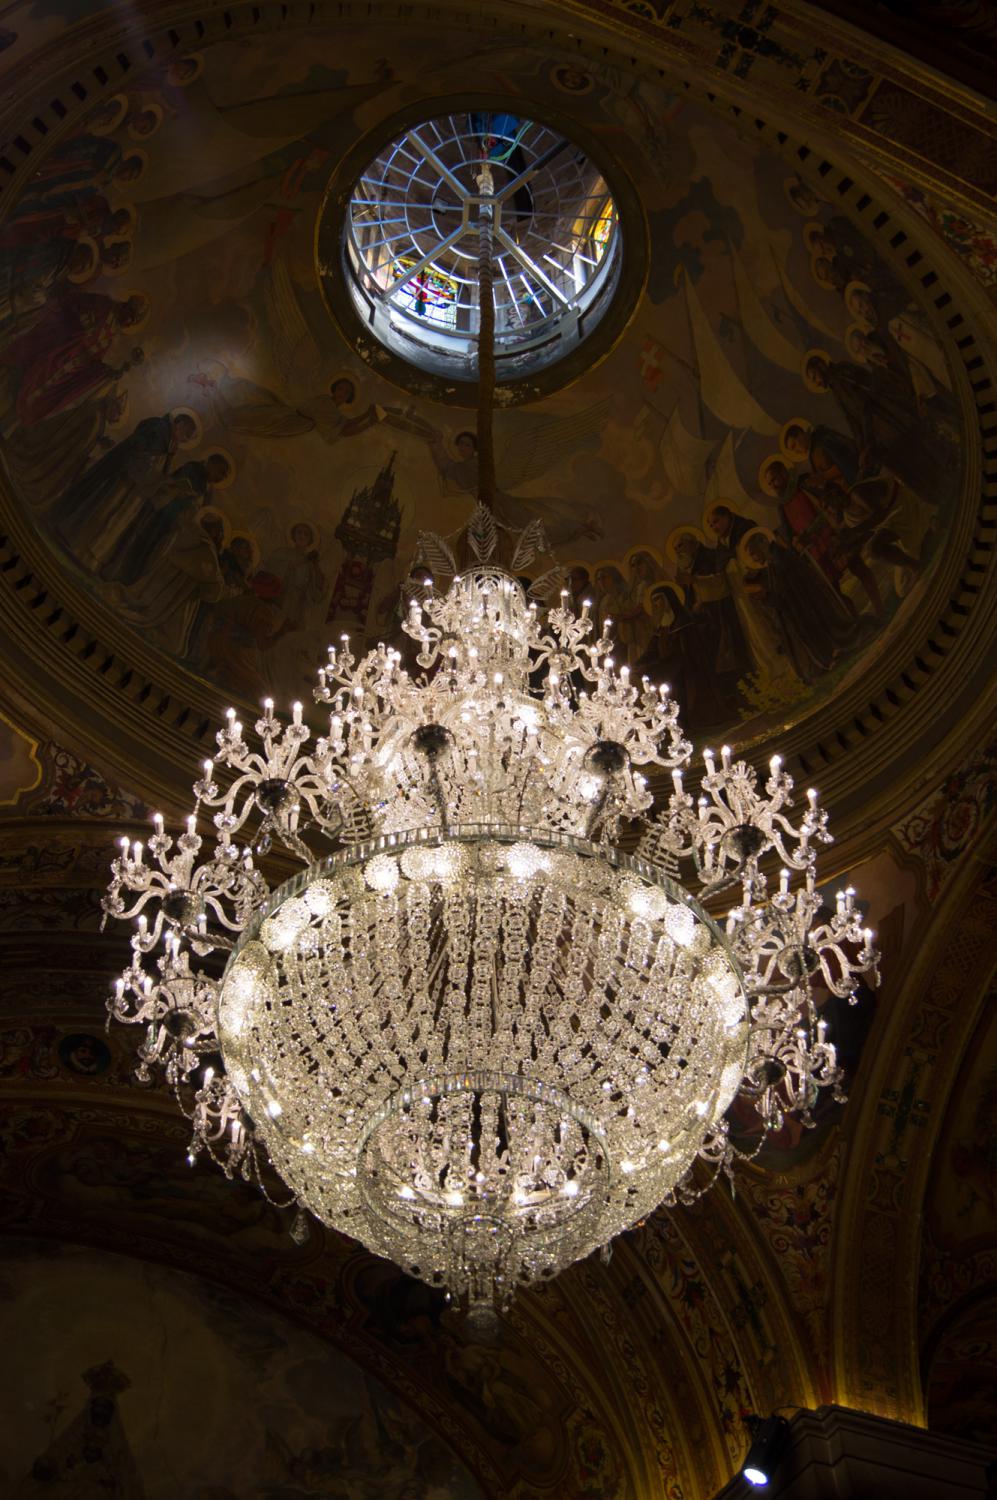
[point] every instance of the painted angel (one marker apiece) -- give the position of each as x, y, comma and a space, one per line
251, 410
537, 445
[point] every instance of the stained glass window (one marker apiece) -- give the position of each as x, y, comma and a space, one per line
411, 243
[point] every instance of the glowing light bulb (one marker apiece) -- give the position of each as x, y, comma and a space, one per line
381, 873
680, 924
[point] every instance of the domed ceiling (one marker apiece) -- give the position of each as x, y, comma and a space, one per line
753, 481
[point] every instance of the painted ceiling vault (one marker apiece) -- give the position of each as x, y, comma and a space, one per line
772, 467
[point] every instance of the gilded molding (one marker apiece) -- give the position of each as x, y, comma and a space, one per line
909, 1067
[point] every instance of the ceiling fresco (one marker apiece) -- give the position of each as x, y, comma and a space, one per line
753, 485
322, 1426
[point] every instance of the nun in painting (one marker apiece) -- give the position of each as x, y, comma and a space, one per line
98, 511
181, 495
812, 620
186, 576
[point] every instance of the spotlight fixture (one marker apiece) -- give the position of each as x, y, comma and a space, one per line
768, 1443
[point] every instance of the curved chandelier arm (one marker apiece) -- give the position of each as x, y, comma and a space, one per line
732, 825
185, 897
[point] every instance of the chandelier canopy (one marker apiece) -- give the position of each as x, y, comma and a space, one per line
488, 1029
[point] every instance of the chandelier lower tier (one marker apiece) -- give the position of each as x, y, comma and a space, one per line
504, 1049
475, 1032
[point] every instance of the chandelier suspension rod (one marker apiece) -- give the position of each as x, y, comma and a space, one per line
486, 341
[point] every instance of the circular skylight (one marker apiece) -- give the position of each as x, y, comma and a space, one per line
411, 244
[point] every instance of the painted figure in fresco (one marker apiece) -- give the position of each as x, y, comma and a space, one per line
91, 1456
811, 519
926, 366
713, 563
216, 528
162, 517
95, 515
45, 251
905, 346
854, 259
811, 619
499, 1387
84, 165
833, 456
30, 275
243, 623
873, 517
611, 597
881, 410
765, 649
59, 362
802, 197
243, 407
665, 659
579, 586
700, 629
634, 625
85, 1054
303, 583
142, 121
39, 221
372, 1451
304, 594
47, 459
181, 577
541, 443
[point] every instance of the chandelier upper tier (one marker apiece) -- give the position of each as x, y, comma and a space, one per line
474, 1032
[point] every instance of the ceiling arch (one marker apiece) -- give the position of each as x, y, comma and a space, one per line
904, 1093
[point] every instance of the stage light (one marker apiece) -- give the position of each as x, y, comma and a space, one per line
768, 1443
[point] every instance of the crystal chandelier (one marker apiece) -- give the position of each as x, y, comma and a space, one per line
486, 1027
